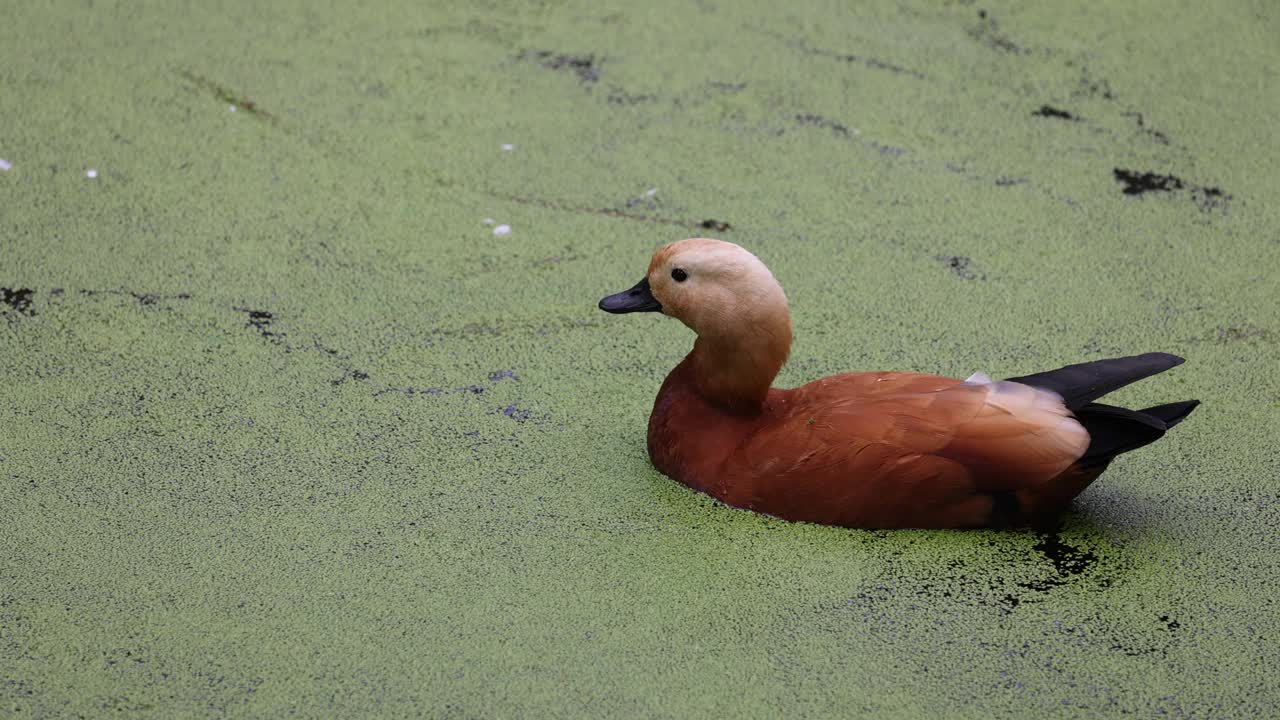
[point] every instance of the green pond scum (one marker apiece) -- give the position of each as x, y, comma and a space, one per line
306, 408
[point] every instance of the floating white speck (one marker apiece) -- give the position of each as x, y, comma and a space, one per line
508, 147
488, 221
651, 192
232, 108
91, 173
502, 230
5, 164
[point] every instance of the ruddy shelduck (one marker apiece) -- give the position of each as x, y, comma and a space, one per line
868, 449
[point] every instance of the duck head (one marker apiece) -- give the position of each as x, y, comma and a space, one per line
730, 299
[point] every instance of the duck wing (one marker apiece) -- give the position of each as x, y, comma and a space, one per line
904, 450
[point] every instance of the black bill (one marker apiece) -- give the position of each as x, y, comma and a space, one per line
637, 299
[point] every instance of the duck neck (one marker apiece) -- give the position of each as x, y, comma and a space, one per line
735, 370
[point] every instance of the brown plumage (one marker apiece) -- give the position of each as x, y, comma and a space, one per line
883, 449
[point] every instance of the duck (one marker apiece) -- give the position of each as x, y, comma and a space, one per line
875, 450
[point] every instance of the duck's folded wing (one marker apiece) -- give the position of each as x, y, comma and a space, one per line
1021, 435
902, 445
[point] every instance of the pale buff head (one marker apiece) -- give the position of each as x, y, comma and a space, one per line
731, 300
714, 286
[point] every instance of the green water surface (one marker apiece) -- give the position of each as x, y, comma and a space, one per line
286, 429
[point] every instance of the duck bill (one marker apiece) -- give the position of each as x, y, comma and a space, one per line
638, 299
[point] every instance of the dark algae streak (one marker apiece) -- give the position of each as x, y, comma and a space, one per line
18, 299
261, 320
586, 67
1068, 562
1138, 183
1053, 112
1135, 182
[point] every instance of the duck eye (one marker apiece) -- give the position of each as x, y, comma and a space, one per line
679, 275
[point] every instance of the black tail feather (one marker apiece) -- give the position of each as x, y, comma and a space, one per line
1113, 430
1172, 413
1081, 384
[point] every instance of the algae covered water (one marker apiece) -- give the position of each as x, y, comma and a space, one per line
307, 407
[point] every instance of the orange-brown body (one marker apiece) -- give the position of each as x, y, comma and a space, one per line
872, 450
